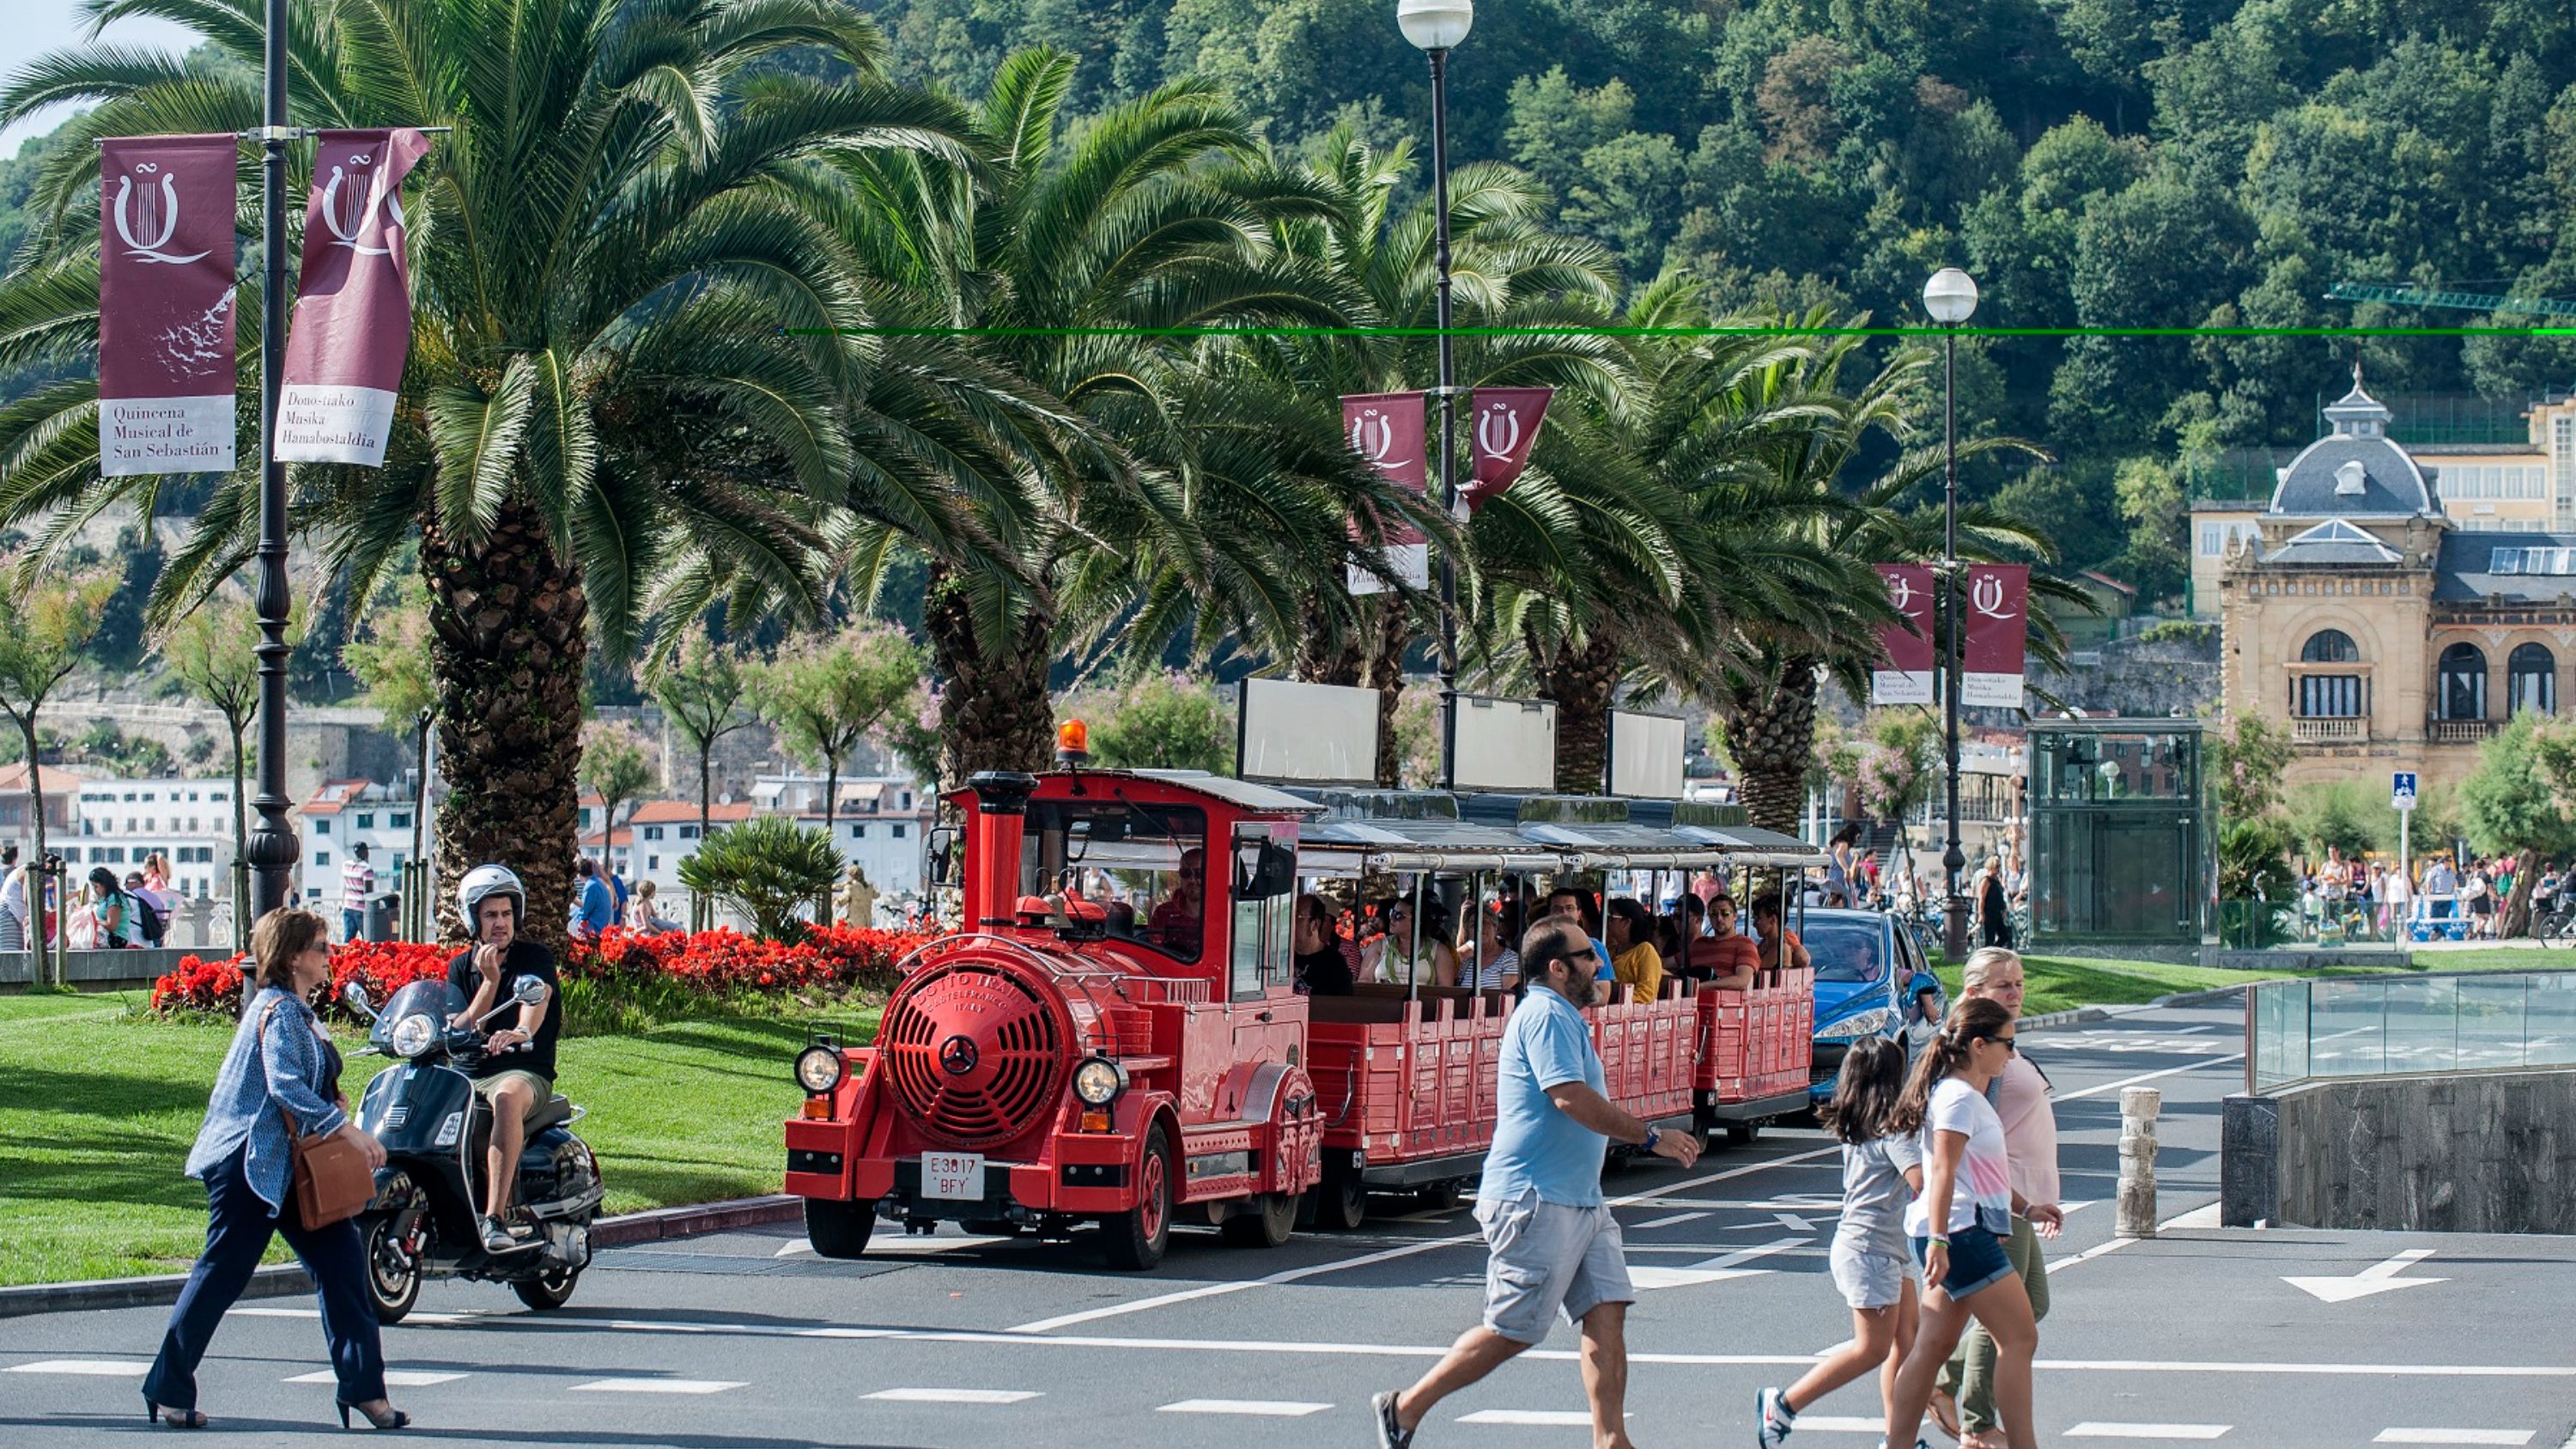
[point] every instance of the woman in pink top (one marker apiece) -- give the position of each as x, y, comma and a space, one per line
2020, 1097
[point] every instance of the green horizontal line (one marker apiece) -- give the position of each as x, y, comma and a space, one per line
1926, 332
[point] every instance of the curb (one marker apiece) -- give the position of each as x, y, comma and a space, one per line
287, 1280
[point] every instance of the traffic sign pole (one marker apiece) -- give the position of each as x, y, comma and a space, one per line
2402, 795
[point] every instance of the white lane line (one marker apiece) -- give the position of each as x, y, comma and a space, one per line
1549, 1418
2454, 1436
1673, 1221
413, 1320
2149, 1077
655, 1386
1829, 1424
1713, 1270
97, 1368
1257, 1408
1337, 1265
955, 1396
394, 1378
2148, 1431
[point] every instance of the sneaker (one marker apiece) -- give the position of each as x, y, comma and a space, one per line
1772, 1419
497, 1238
1390, 1433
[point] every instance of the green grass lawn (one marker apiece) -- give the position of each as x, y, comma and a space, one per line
2061, 983
99, 1104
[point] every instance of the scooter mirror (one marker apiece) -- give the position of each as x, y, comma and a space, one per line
529, 991
356, 996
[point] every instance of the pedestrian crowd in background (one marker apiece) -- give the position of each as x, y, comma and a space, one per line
105, 913
2459, 896
1997, 888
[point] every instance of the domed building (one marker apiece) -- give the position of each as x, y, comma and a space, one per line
2387, 631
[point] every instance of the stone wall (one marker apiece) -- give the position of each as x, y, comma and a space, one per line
2137, 677
2470, 1152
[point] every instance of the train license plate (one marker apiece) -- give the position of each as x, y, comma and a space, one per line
952, 1176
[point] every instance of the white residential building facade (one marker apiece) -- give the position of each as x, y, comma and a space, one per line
341, 814
117, 824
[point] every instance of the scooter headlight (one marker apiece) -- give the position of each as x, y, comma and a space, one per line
413, 1035
1098, 1081
820, 1068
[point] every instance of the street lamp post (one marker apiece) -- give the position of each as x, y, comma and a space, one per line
1436, 26
273, 847
1951, 297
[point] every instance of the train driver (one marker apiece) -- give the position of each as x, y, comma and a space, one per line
1179, 920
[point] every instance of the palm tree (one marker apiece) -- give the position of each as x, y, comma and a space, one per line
1116, 524
631, 385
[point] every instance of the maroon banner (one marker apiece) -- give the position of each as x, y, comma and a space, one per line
1998, 618
1506, 424
165, 304
344, 355
1386, 429
1904, 671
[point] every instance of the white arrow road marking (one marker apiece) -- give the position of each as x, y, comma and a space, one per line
1712, 1270
1674, 1220
1793, 1222
2377, 1278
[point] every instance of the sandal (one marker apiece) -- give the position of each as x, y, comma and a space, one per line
1945, 1412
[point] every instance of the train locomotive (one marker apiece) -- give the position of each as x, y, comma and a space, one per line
1147, 1062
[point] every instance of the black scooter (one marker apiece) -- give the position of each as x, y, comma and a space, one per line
437, 1135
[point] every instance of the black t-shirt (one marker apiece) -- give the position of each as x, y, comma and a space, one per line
524, 958
1326, 972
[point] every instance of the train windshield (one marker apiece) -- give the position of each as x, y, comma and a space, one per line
1146, 865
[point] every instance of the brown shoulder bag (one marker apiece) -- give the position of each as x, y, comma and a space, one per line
331, 1181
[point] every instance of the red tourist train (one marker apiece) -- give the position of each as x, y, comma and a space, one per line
1063, 1059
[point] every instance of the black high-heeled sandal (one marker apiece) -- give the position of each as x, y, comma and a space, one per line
393, 1419
179, 1418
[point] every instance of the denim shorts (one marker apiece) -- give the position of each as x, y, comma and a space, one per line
1977, 1261
1545, 1257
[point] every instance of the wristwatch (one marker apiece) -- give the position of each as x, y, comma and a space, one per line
1652, 1137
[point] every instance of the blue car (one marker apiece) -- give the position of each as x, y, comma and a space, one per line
1868, 968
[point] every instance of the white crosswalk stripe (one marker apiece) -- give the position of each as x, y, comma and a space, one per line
2454, 1436
1830, 1424
952, 1396
655, 1386
2106, 1430
105, 1368
1257, 1408
394, 1378
1546, 1418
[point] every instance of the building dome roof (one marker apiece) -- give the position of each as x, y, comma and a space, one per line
2354, 471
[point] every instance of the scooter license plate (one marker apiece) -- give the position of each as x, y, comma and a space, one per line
952, 1176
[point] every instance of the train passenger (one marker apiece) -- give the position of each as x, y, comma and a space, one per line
1868, 1259
1178, 922
1676, 929
1322, 969
1553, 1244
1413, 949
1565, 903
1633, 957
1768, 928
1724, 959
1497, 966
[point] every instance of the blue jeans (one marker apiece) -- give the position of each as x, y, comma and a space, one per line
353, 924
238, 1227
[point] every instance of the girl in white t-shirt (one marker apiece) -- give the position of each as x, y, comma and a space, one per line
1960, 1223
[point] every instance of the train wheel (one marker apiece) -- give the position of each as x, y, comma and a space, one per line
839, 1229
1272, 1219
1743, 1134
1441, 1196
1341, 1200
1135, 1240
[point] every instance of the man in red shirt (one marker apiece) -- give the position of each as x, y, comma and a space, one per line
1179, 920
1725, 960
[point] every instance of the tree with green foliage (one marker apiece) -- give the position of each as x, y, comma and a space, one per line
1163, 721
617, 765
2337, 815
392, 664
700, 687
767, 868
2516, 802
2247, 758
825, 693
46, 621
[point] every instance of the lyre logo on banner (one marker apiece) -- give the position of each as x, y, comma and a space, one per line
1903, 674
1997, 635
156, 211
1385, 428
167, 371
348, 214
1506, 427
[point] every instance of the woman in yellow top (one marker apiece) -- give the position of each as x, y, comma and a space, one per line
1630, 934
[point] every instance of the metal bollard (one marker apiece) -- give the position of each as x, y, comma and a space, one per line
2139, 1107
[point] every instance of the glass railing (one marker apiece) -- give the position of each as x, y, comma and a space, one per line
2399, 1026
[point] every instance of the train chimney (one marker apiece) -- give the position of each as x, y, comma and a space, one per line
993, 849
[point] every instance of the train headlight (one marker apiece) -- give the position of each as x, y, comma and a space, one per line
412, 1035
820, 1068
1098, 1081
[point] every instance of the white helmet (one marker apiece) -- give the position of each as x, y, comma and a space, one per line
490, 880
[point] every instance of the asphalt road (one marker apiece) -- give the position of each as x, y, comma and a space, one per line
746, 1339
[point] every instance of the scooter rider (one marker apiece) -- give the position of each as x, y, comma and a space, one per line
516, 1075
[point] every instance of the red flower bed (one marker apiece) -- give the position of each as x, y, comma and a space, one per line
717, 962
383, 967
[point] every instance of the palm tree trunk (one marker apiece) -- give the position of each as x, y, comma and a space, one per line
507, 640
1581, 679
1325, 654
995, 713
1386, 676
1771, 732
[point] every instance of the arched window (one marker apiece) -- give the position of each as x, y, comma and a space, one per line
2462, 690
2329, 696
2531, 676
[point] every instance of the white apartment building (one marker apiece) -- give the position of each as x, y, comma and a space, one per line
881, 824
117, 823
341, 814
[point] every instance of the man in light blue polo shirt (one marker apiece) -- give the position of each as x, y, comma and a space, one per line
1552, 1243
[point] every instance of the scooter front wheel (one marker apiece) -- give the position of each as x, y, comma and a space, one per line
548, 1291
393, 1269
